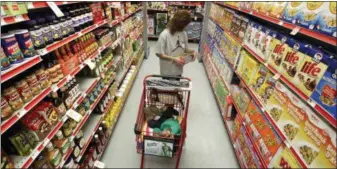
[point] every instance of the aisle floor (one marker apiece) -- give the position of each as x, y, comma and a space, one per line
207, 143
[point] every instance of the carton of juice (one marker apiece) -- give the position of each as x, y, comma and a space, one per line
325, 93
278, 48
309, 14
327, 19
277, 9
292, 59
292, 11
311, 70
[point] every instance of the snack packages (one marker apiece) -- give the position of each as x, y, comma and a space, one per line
325, 93
311, 70
327, 19
278, 49
309, 14
292, 59
292, 11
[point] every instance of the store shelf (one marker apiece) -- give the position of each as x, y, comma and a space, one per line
19, 68
311, 33
70, 38
225, 122
157, 10
271, 121
7, 20
41, 4
127, 16
26, 161
321, 111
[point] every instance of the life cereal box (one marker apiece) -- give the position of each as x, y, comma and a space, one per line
267, 88
327, 19
292, 59
292, 11
311, 70
309, 14
265, 39
276, 105
325, 93
284, 158
277, 9
278, 48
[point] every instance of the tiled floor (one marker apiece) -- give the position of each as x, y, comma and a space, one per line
207, 143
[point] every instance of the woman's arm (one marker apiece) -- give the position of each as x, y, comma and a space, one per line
170, 58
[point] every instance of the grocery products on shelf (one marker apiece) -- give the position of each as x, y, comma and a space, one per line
278, 99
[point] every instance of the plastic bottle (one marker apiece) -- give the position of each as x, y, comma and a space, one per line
54, 156
61, 143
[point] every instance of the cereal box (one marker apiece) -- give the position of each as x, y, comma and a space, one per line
246, 5
257, 6
292, 59
249, 68
325, 93
259, 78
327, 19
242, 100
311, 70
266, 8
236, 23
265, 39
284, 158
251, 30
278, 49
236, 127
257, 37
309, 14
277, 9
292, 11
276, 105
267, 88
243, 27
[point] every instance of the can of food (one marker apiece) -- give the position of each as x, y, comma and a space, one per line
25, 42
43, 78
4, 60
33, 84
24, 90
13, 98
6, 110
11, 48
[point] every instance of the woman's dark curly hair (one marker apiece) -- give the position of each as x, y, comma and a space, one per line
179, 21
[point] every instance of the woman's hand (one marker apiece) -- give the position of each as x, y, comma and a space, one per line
195, 55
178, 61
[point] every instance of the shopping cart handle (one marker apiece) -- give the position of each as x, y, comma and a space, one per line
136, 130
176, 77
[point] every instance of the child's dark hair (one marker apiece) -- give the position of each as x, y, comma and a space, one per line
179, 21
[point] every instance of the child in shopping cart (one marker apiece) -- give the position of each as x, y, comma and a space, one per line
172, 45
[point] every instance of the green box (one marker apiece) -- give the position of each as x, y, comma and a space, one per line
14, 8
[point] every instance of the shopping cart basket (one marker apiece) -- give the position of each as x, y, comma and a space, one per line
160, 92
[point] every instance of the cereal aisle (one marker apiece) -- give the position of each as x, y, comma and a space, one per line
76, 90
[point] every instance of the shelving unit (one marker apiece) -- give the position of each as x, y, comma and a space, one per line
88, 123
211, 68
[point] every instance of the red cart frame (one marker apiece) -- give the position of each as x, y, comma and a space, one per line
176, 97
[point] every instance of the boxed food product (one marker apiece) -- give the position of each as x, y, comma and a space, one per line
236, 24
278, 49
246, 5
257, 6
276, 105
266, 7
292, 59
327, 19
277, 9
284, 158
256, 37
242, 100
236, 127
14, 8
267, 88
251, 30
292, 11
243, 27
259, 78
309, 14
325, 92
248, 68
311, 70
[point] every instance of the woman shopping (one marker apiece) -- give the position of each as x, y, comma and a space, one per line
172, 45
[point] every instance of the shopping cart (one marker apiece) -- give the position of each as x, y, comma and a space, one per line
167, 92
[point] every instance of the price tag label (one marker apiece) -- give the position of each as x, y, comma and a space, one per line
69, 78
91, 64
312, 103
195, 18
19, 18
281, 23
276, 76
295, 30
287, 143
54, 88
55, 9
74, 115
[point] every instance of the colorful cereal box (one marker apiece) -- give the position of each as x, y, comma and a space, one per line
246, 5
309, 14
311, 70
256, 38
242, 100
284, 158
327, 19
251, 30
259, 78
257, 6
267, 88
278, 48
325, 93
292, 59
277, 9
266, 8
248, 68
292, 11
265, 39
